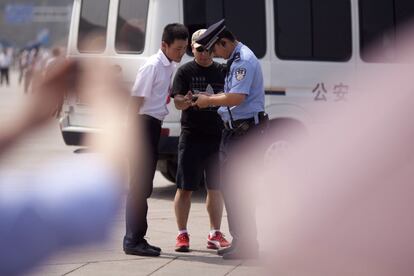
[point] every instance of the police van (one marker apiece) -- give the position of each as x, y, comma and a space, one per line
310, 51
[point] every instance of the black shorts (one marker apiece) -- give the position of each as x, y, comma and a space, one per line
198, 162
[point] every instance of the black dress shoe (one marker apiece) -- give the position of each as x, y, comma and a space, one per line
141, 249
153, 247
226, 250
238, 254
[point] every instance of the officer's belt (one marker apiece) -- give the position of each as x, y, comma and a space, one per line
260, 118
237, 123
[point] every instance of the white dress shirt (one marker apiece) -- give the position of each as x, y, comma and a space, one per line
68, 203
153, 83
5, 60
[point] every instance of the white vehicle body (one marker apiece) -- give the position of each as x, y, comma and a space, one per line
310, 51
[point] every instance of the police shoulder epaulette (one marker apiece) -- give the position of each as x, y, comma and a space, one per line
237, 56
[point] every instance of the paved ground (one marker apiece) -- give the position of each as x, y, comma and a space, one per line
108, 258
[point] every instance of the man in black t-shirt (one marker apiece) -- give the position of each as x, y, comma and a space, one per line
199, 143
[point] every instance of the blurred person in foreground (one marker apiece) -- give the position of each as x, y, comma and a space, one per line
148, 107
53, 62
341, 201
72, 201
242, 111
199, 144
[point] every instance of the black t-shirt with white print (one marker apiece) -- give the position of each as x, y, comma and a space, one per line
195, 78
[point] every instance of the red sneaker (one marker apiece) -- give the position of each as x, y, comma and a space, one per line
183, 243
217, 241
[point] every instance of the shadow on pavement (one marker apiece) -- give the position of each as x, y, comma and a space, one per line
208, 259
83, 150
212, 258
165, 192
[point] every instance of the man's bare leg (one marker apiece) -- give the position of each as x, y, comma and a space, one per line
214, 204
182, 205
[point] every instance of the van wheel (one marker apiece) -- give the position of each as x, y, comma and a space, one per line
171, 171
282, 137
278, 149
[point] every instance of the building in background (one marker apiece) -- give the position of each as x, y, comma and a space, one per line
31, 23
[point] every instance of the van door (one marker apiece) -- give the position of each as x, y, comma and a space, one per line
89, 19
312, 61
380, 27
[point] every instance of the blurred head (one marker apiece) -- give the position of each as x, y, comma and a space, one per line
174, 41
201, 55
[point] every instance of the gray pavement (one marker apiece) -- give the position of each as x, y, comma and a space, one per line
108, 258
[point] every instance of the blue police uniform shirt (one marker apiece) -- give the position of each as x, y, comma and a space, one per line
245, 77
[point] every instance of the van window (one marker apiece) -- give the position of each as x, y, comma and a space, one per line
380, 21
245, 20
131, 26
317, 30
93, 22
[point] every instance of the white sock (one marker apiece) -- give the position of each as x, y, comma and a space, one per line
213, 232
182, 231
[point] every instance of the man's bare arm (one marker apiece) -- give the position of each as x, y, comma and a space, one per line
221, 99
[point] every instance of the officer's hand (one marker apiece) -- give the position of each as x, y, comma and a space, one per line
204, 93
203, 101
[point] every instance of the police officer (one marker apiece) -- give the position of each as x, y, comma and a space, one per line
242, 111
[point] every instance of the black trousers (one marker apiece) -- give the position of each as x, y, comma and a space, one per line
4, 74
240, 205
142, 170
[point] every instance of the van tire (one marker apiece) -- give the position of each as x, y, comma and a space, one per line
283, 134
171, 172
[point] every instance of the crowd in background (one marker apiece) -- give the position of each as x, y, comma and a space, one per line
30, 63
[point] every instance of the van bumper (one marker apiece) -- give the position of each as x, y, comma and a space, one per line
73, 136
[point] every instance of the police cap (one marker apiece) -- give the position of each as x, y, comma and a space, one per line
209, 37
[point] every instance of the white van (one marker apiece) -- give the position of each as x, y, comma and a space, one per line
310, 50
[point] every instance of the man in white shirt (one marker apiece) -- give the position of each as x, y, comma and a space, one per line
148, 108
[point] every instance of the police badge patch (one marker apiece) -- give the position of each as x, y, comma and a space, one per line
240, 74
